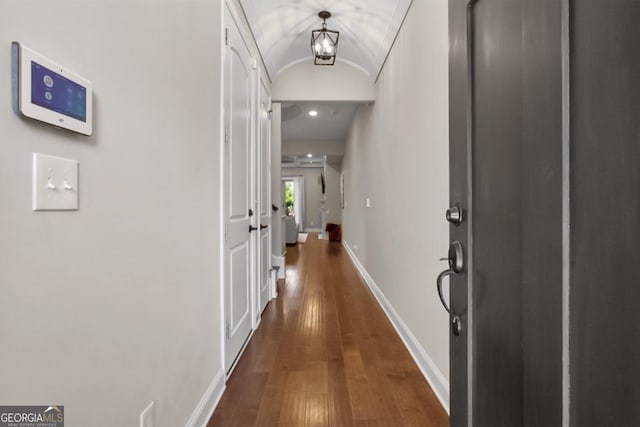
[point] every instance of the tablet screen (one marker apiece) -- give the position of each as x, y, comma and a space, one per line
54, 92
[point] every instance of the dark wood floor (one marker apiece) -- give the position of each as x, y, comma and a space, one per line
326, 355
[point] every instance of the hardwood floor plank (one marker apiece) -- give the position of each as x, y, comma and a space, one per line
326, 355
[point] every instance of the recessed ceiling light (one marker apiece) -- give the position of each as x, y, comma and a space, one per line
313, 113
309, 155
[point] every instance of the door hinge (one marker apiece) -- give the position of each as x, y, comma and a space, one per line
226, 330
226, 36
226, 232
226, 134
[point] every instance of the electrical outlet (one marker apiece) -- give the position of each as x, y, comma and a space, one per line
147, 417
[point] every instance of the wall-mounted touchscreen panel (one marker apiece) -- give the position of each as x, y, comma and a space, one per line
46, 91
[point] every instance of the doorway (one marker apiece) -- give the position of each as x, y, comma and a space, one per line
293, 191
238, 212
246, 171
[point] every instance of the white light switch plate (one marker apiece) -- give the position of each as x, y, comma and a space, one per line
55, 183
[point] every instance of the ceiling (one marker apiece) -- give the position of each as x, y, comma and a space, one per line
331, 124
282, 29
302, 161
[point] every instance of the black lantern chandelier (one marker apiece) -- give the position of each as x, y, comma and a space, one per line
324, 43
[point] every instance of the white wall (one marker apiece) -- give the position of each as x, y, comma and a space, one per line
307, 82
332, 195
397, 155
108, 308
312, 194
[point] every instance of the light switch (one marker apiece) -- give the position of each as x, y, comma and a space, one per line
55, 183
367, 202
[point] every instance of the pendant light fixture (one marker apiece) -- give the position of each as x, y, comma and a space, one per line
324, 43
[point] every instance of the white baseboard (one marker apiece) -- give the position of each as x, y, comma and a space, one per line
432, 374
208, 403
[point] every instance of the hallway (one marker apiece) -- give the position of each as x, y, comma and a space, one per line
325, 354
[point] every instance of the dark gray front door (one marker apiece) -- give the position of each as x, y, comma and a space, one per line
506, 174
487, 354
605, 213
496, 131
545, 165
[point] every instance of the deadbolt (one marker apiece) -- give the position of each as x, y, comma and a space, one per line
454, 214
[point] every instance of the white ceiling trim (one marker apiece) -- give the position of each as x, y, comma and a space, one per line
301, 60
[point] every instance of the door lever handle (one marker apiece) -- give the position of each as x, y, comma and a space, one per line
456, 322
456, 265
439, 286
252, 228
262, 227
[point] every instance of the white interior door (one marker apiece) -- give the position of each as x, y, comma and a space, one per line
238, 247
264, 197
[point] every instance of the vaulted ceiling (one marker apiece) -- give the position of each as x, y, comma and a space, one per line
282, 29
